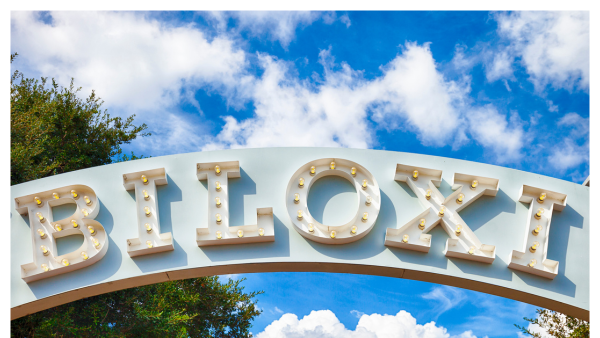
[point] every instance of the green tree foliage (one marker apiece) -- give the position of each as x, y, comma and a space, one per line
557, 325
199, 307
53, 131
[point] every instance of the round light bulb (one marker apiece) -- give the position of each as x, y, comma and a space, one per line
87, 200
96, 243
37, 201
91, 230
217, 170
365, 216
146, 196
42, 233
364, 184
57, 227
148, 227
40, 216
428, 194
85, 212
65, 262
218, 201
299, 214
144, 179
415, 174
532, 263
332, 165
460, 198
534, 246
55, 195
313, 170
442, 211
474, 184
45, 267
369, 200
458, 230
471, 250
542, 197
539, 213
218, 217
422, 224
311, 227
296, 198
84, 255
218, 185
354, 229
44, 250
405, 239
74, 222
537, 230
219, 236
301, 182
332, 234
240, 233
147, 211
149, 244
74, 194
353, 171
261, 232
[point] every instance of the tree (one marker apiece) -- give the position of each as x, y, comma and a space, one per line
53, 131
557, 325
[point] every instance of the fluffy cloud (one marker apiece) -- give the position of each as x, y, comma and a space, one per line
552, 46
574, 149
325, 324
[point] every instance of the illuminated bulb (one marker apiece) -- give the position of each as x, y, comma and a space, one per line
218, 216
332, 165
261, 232
428, 194
537, 230
96, 243
332, 234
415, 175
148, 227
218, 185
353, 171
87, 200
364, 185
45, 267
74, 222
405, 239
240, 233
144, 179
218, 201
74, 194
532, 263
57, 227
146, 196
37, 201
91, 230
460, 198
313, 170
299, 214
42, 233
422, 224
458, 230
301, 182
84, 212
311, 227
542, 197
147, 211
354, 229
55, 195
65, 262
149, 244
471, 250
219, 236
84, 255
44, 250
442, 211
474, 184
365, 216
369, 200
296, 198
217, 170
539, 213
534, 246
40, 216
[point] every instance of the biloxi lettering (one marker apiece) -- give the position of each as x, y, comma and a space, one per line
439, 210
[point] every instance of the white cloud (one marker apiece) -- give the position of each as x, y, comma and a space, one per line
553, 46
445, 298
357, 313
500, 67
570, 153
324, 324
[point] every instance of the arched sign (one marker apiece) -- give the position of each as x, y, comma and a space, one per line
446, 221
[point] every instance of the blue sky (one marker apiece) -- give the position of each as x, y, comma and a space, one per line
505, 88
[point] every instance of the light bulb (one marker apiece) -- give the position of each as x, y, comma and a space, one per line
532, 263
240, 233
353, 171
87, 200
332, 234
474, 184
296, 198
458, 230
42, 233
44, 250
218, 217
55, 195
218, 201
57, 227
91, 230
369, 200
144, 179
471, 250
365, 216
311, 227
75, 225
219, 236
45, 267
217, 170
537, 230
313, 170
147, 211
148, 227
299, 214
428, 194
96, 243
41, 217
74, 194
364, 184
442, 211
84, 255
37, 201
261, 232
539, 213
405, 239
301, 182
422, 224
534, 246
146, 196
65, 262
354, 229
149, 244
218, 185
460, 198
332, 165
415, 175
542, 197
85, 212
